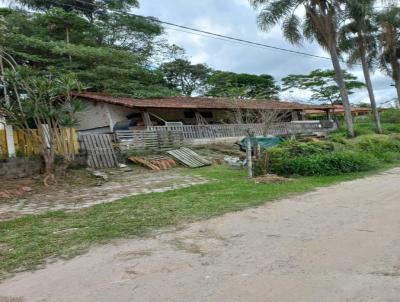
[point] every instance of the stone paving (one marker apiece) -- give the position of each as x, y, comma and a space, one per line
121, 185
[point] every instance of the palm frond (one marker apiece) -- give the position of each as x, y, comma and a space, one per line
291, 29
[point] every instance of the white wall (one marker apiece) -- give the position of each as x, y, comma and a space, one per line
2, 122
94, 116
101, 115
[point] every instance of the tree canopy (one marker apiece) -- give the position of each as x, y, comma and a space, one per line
242, 85
186, 77
109, 52
322, 84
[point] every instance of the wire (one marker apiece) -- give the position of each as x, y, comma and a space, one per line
195, 31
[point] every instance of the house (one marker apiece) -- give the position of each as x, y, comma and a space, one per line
338, 110
106, 113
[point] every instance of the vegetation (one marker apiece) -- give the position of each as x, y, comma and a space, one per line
108, 51
320, 23
185, 77
322, 83
389, 27
358, 38
391, 116
335, 156
29, 241
242, 86
42, 101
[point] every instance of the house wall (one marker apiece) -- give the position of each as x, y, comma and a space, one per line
101, 117
2, 122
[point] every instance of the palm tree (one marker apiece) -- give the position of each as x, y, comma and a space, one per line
389, 22
358, 38
320, 23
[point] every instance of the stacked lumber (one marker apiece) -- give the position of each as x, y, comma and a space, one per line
156, 164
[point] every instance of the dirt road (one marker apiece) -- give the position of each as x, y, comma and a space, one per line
340, 243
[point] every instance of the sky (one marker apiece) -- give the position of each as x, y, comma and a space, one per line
237, 19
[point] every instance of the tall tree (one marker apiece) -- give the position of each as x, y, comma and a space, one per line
242, 85
90, 8
320, 23
68, 41
389, 21
186, 77
358, 38
322, 84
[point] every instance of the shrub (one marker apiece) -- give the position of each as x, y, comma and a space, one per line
326, 164
378, 144
294, 148
390, 116
391, 128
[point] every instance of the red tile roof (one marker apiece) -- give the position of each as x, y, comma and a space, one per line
195, 103
339, 109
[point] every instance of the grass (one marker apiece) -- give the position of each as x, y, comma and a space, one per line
30, 241
367, 127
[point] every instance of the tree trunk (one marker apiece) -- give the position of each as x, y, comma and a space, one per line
368, 82
396, 78
343, 90
67, 40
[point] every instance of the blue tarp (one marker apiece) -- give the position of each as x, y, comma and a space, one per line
264, 142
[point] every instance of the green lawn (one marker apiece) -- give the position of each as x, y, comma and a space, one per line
368, 127
27, 242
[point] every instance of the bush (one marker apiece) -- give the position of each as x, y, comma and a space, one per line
326, 164
390, 116
378, 144
294, 148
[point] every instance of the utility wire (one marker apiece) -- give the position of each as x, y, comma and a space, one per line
195, 31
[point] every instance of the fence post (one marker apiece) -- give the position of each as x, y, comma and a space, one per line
10, 140
249, 158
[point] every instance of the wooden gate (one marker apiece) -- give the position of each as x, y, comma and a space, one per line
99, 149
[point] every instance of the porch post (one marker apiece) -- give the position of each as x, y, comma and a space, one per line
200, 120
147, 119
295, 115
10, 140
238, 116
328, 114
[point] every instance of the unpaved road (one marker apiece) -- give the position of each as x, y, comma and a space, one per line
340, 243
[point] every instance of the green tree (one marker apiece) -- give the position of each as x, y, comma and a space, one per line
322, 84
92, 9
389, 34
40, 100
100, 62
358, 38
243, 86
320, 23
186, 77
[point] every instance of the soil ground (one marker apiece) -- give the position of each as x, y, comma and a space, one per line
339, 243
78, 189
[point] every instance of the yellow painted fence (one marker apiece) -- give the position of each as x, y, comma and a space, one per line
27, 142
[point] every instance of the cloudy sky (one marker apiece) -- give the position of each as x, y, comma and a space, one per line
236, 18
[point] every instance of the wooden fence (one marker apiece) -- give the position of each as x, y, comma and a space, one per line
237, 130
143, 140
27, 142
99, 150
170, 137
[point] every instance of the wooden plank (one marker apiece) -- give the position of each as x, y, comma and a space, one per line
104, 150
188, 158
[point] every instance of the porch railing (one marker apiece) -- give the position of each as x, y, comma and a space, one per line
236, 130
167, 137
